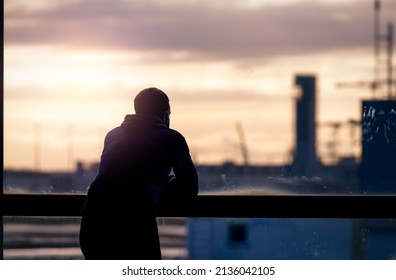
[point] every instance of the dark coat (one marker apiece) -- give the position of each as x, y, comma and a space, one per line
137, 160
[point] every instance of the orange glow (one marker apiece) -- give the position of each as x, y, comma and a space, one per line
88, 83
92, 91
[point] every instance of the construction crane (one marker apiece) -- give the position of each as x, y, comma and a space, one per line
361, 84
383, 65
334, 142
353, 124
242, 143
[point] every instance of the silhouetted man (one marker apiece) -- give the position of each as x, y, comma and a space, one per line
119, 216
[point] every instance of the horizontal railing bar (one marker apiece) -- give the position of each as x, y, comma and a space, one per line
283, 206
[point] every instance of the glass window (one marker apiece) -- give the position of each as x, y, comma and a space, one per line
257, 89
269, 104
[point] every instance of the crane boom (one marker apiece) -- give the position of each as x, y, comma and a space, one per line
242, 143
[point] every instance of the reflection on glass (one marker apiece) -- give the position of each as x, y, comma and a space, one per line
29, 181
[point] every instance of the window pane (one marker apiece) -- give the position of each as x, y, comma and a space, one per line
238, 83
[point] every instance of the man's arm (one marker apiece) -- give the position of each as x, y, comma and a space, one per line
186, 182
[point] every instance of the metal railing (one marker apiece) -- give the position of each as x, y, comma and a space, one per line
283, 206
216, 206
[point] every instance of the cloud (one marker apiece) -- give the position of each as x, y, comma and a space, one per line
197, 29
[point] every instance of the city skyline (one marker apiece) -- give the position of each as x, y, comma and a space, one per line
71, 72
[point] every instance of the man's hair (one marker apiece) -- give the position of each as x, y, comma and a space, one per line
151, 101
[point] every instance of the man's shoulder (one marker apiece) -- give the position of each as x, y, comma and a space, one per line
113, 131
175, 133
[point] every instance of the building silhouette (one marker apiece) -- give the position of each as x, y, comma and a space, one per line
305, 158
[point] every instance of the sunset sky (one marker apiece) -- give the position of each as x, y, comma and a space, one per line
73, 67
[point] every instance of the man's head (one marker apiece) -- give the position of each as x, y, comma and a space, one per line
152, 101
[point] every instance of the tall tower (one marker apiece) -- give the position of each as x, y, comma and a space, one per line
378, 165
305, 160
